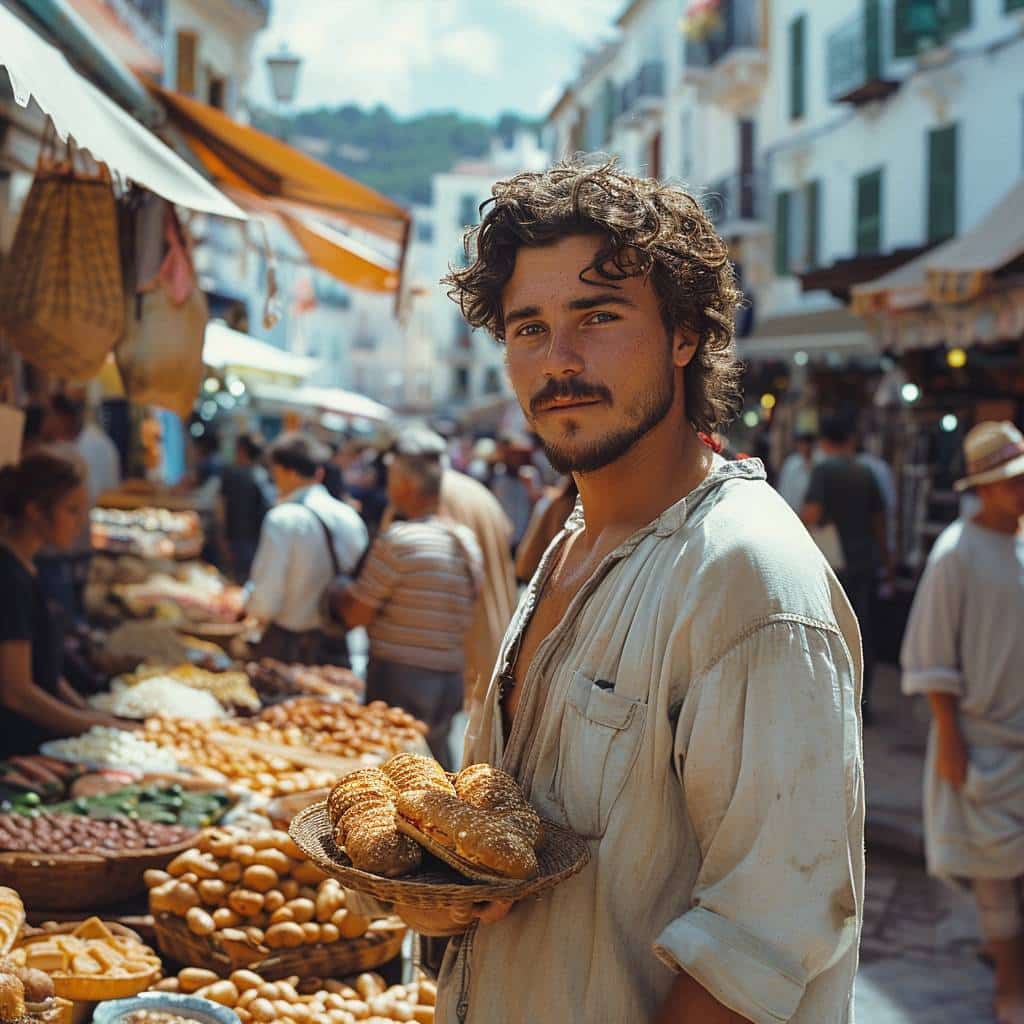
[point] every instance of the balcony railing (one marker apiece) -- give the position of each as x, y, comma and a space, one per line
740, 28
738, 197
859, 57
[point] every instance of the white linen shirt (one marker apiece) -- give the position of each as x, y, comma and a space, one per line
694, 716
292, 566
964, 638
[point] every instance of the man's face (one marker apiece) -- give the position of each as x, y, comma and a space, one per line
1006, 496
591, 363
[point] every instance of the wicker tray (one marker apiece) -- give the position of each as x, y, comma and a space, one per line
86, 881
436, 885
381, 943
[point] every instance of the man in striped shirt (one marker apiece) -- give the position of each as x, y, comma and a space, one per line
416, 594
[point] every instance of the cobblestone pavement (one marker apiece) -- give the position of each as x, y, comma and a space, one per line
919, 961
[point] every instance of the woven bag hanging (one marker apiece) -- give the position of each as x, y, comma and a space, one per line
61, 293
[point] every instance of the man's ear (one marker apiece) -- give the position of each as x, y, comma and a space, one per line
684, 346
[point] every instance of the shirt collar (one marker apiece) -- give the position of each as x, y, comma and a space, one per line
673, 518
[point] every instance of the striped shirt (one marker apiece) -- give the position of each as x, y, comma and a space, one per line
422, 577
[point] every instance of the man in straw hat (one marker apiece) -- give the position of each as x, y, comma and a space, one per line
964, 649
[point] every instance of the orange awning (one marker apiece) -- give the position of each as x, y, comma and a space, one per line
249, 160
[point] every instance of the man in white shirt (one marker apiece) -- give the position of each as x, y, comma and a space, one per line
680, 684
101, 455
307, 540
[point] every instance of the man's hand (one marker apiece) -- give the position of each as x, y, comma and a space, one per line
951, 759
454, 920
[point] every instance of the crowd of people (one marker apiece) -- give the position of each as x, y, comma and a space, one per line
683, 681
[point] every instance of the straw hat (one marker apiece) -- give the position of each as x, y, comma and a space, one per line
994, 451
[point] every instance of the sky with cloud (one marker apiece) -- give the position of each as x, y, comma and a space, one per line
481, 57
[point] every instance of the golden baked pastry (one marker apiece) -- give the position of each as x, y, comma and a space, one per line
413, 771
12, 997
362, 807
490, 789
12, 917
90, 963
487, 841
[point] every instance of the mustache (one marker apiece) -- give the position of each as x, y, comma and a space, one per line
573, 388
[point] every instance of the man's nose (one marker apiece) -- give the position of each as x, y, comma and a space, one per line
564, 357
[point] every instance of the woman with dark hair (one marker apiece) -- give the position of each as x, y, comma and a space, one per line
42, 502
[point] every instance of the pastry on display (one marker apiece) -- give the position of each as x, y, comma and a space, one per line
12, 917
413, 771
90, 963
483, 841
363, 809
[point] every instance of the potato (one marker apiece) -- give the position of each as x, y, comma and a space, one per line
245, 902
230, 871
286, 935
352, 926
369, 985
260, 878
183, 897
254, 935
262, 1010
269, 990
223, 992
303, 910
244, 853
311, 932
275, 860
423, 1014
307, 873
153, 878
329, 933
246, 981
200, 922
273, 900
194, 978
290, 888
428, 992
167, 985
213, 892
225, 917
282, 915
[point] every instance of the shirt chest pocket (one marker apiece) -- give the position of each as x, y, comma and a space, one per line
598, 743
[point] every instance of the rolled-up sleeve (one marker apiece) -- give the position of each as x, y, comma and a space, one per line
930, 656
769, 753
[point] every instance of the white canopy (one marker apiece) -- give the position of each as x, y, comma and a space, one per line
78, 109
336, 400
225, 348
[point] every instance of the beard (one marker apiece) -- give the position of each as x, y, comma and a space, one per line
645, 415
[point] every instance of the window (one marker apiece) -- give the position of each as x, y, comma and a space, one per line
609, 108
797, 69
424, 231
1014, 5
187, 45
492, 381
782, 204
468, 211
919, 25
942, 183
797, 220
868, 214
460, 383
215, 91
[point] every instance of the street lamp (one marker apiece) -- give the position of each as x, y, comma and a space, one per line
284, 74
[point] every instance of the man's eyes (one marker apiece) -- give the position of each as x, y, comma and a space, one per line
532, 330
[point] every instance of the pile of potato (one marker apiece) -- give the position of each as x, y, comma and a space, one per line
342, 728
253, 893
261, 773
367, 1000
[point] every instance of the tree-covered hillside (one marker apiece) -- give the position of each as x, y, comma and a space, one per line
395, 156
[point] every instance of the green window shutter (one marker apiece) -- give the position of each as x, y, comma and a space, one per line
872, 39
797, 67
608, 105
1013, 5
917, 24
782, 233
956, 16
942, 183
812, 221
869, 214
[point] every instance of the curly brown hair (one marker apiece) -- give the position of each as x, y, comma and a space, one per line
652, 229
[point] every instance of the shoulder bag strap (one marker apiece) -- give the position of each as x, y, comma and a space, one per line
335, 564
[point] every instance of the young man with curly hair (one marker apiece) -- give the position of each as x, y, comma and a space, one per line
680, 684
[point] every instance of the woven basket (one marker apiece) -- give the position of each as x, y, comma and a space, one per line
86, 881
381, 943
437, 886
